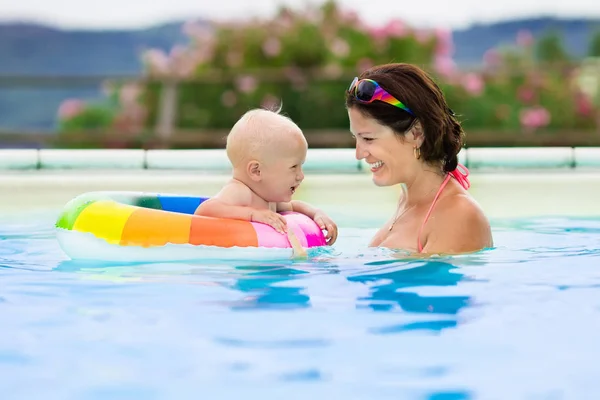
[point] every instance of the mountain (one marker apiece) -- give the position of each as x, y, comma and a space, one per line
34, 49
472, 42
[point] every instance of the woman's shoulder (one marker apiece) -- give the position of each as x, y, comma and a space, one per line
461, 205
460, 225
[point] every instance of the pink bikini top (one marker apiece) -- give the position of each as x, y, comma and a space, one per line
461, 174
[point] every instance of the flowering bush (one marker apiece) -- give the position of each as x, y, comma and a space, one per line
517, 91
306, 59
121, 112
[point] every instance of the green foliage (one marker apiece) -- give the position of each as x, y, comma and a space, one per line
594, 50
93, 117
306, 60
550, 48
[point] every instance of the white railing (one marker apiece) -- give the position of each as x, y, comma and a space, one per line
318, 160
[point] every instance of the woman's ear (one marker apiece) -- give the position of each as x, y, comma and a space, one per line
416, 134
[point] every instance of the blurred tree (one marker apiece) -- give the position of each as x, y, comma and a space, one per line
550, 48
594, 49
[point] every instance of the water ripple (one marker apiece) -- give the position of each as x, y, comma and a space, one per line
285, 344
365, 322
308, 375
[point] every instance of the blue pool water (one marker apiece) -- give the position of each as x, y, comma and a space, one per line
519, 321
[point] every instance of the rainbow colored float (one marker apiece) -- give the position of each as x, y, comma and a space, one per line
140, 227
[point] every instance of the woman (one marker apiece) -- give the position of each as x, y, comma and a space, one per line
407, 133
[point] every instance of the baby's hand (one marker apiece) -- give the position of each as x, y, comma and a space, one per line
326, 223
270, 218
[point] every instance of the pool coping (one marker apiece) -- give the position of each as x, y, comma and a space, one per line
334, 160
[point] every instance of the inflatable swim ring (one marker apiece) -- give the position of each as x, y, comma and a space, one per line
138, 227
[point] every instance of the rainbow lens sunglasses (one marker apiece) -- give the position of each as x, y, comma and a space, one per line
367, 91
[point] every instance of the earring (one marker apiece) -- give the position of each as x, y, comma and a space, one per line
417, 152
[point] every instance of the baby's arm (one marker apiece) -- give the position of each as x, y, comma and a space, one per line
299, 207
234, 202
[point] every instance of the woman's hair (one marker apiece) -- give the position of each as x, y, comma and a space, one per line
443, 134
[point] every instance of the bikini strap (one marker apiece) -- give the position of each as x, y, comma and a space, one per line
461, 174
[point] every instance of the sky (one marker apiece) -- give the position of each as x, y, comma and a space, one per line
112, 14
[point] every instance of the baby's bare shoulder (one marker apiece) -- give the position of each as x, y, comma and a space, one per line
235, 193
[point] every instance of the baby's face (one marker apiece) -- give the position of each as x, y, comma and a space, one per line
283, 173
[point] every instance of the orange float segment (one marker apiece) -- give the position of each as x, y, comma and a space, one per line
222, 232
151, 227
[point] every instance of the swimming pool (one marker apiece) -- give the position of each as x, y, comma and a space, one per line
517, 321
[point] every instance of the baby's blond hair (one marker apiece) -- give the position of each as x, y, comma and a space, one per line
256, 132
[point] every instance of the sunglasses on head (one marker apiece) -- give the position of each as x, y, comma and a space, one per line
367, 91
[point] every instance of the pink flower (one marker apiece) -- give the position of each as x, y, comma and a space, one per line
349, 16
526, 94
177, 52
524, 38
197, 31
129, 94
130, 119
395, 28
534, 117
377, 33
445, 45
157, 60
181, 63
473, 84
536, 79
423, 35
271, 47
70, 108
340, 47
444, 66
492, 58
246, 84
228, 98
583, 105
443, 34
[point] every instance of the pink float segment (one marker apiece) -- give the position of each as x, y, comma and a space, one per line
268, 237
310, 234
305, 229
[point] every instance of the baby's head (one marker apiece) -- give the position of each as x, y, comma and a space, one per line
267, 150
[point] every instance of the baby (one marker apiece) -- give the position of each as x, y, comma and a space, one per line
266, 151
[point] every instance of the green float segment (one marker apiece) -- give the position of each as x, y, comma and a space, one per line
69, 215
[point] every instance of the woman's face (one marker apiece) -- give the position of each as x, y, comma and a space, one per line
390, 156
